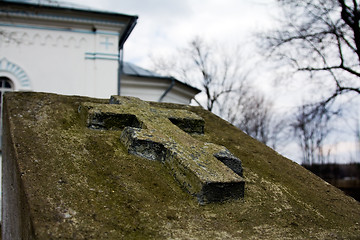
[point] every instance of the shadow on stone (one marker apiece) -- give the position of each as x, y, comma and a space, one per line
220, 192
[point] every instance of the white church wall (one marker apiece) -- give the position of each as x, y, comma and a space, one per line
60, 61
179, 93
151, 89
172, 97
148, 89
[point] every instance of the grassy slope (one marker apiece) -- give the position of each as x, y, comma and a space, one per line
82, 184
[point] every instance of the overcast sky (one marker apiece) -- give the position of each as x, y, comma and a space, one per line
164, 25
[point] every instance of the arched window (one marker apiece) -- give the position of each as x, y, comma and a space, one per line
6, 85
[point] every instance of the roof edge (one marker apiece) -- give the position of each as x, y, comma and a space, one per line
170, 79
130, 27
66, 6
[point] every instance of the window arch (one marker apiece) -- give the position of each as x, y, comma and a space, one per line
6, 85
19, 79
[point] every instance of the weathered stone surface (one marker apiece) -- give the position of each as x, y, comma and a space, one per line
185, 120
79, 183
229, 160
96, 119
16, 219
203, 169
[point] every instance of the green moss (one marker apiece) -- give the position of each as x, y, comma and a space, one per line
82, 184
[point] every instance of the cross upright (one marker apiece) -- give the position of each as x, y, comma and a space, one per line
205, 170
106, 43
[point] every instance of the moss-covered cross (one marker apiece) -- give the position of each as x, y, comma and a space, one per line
206, 170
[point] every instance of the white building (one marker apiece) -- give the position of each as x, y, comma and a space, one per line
51, 46
149, 86
62, 49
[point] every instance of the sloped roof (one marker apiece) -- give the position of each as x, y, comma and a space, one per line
51, 3
82, 182
134, 70
61, 4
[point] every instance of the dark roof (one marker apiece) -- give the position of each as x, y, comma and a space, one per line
50, 3
134, 70
60, 4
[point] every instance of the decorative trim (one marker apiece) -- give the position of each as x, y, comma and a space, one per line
44, 39
60, 18
101, 56
17, 71
59, 29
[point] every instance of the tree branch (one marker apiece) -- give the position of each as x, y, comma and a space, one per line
350, 70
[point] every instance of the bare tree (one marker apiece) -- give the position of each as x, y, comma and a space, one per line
321, 38
221, 75
310, 130
256, 117
353, 123
214, 70
253, 113
357, 137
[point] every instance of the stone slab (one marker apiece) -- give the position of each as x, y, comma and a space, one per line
64, 180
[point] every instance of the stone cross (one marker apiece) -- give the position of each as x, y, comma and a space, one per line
205, 170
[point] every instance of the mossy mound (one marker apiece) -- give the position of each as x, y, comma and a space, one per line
82, 184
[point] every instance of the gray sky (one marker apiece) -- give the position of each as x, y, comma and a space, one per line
165, 25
